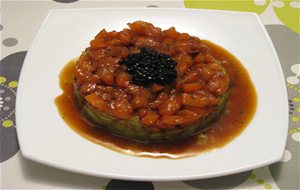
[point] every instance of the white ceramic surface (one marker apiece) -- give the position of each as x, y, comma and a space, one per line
45, 138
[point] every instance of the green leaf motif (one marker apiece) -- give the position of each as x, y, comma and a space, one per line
289, 14
232, 5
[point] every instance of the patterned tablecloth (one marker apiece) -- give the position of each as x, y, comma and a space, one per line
20, 21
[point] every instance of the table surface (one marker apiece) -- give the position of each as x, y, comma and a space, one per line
20, 21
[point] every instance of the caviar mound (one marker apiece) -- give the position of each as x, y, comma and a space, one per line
149, 67
149, 84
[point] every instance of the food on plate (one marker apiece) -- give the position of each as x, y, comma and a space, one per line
150, 85
197, 98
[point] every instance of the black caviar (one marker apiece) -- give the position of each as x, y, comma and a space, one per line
150, 66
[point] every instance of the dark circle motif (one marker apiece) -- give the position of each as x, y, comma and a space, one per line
129, 185
10, 68
65, 1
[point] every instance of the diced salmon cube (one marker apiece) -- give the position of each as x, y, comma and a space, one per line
192, 87
198, 100
120, 108
150, 118
122, 79
169, 106
139, 101
96, 101
218, 84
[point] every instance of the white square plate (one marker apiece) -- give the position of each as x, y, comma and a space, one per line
45, 138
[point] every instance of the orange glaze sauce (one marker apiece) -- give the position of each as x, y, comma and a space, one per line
240, 109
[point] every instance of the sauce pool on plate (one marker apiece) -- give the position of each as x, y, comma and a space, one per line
240, 109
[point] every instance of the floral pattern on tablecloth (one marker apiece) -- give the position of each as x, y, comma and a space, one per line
9, 76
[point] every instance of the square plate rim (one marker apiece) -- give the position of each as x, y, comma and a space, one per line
143, 178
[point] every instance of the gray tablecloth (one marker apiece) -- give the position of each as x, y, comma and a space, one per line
20, 21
